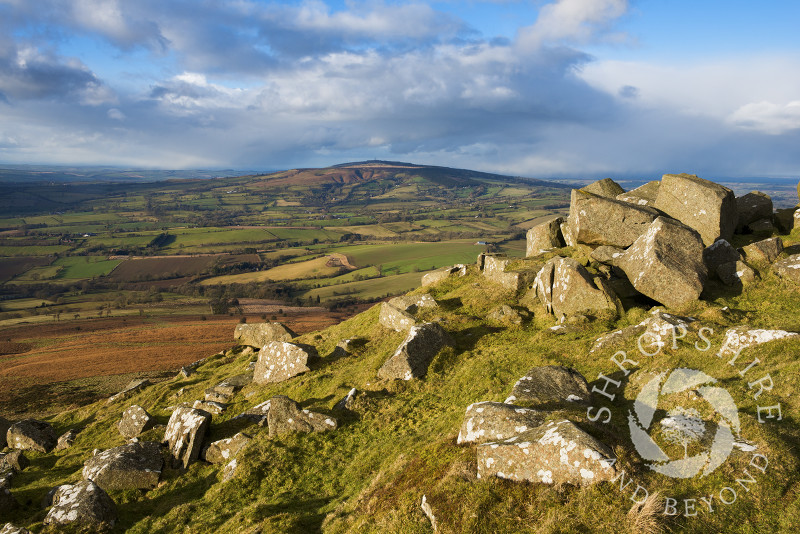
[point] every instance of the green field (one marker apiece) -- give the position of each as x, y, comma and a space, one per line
368, 289
80, 267
405, 257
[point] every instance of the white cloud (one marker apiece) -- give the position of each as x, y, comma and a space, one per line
571, 21
768, 117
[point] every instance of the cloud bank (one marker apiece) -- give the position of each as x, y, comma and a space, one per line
244, 83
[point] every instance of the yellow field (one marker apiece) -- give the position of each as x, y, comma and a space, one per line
291, 271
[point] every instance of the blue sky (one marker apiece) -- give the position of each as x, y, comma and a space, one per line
541, 88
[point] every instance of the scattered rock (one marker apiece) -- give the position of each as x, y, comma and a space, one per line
229, 471
347, 402
494, 421
259, 334
604, 188
736, 273
597, 220
15, 460
67, 439
618, 338
555, 453
550, 385
644, 195
5, 424
414, 355
257, 414
741, 337
279, 361
764, 251
666, 263
412, 303
133, 387
788, 268
135, 420
543, 285
225, 390
752, 207
8, 528
700, 204
545, 236
494, 269
428, 511
185, 433
211, 407
131, 466
186, 372
507, 315
85, 504
285, 415
224, 450
32, 435
438, 275
394, 318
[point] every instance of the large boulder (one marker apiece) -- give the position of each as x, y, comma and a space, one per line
415, 353
605, 188
705, 206
555, 453
741, 337
15, 460
666, 263
764, 251
752, 207
185, 433
85, 504
133, 387
597, 220
543, 284
494, 421
135, 420
576, 292
607, 254
223, 451
257, 414
394, 318
279, 361
285, 415
131, 466
545, 236
259, 334
550, 386
644, 195
32, 435
788, 268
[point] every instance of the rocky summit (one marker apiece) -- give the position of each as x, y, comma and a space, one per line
632, 369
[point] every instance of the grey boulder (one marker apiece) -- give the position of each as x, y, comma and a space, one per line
224, 450
597, 220
135, 420
752, 207
551, 385
279, 361
84, 504
543, 237
259, 334
31, 435
131, 466
494, 421
285, 415
415, 353
185, 433
788, 268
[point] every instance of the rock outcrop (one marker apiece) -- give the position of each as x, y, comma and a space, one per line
742, 337
764, 251
84, 504
413, 303
32, 435
494, 270
184, 435
566, 288
131, 466
495, 421
259, 334
551, 385
644, 195
279, 361
666, 263
597, 220
415, 353
555, 453
604, 188
700, 204
434, 277
395, 319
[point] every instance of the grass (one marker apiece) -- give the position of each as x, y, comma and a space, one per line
81, 267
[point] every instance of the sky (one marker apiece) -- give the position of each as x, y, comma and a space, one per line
538, 88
